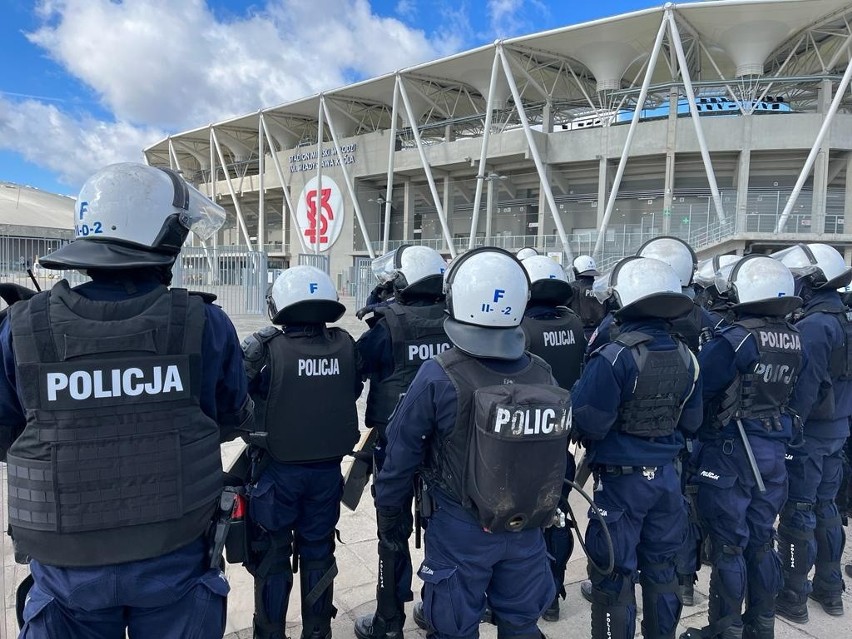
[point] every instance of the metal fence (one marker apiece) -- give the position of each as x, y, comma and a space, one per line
311, 259
237, 277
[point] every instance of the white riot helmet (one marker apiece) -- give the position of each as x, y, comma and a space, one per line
548, 283
303, 295
760, 285
527, 251
674, 252
132, 216
487, 291
705, 274
585, 265
414, 270
643, 287
822, 264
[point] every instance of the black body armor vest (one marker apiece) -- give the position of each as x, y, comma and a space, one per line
309, 413
506, 455
417, 334
584, 303
560, 342
688, 328
117, 461
661, 384
763, 394
840, 362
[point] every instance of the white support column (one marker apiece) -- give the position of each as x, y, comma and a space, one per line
288, 202
815, 149
391, 157
237, 208
427, 168
407, 209
637, 113
821, 177
743, 176
350, 184
539, 165
261, 206
320, 136
483, 154
174, 165
449, 204
696, 120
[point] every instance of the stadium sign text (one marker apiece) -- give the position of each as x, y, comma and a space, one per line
307, 161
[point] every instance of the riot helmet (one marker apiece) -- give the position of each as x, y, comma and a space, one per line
414, 271
527, 251
487, 291
585, 266
819, 265
642, 287
674, 252
705, 280
303, 295
758, 285
548, 283
131, 216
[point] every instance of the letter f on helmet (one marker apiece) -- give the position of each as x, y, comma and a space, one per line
498, 293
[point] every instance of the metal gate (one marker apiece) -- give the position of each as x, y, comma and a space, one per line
364, 279
236, 276
319, 261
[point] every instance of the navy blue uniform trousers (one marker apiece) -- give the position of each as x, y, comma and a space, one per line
647, 522
298, 502
815, 471
464, 567
174, 596
739, 520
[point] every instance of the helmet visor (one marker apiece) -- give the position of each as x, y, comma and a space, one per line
383, 267
202, 216
602, 288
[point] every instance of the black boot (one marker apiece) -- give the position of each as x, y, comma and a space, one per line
552, 612
375, 627
419, 617
830, 599
586, 590
792, 606
760, 627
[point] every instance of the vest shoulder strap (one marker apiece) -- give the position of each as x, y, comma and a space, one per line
633, 338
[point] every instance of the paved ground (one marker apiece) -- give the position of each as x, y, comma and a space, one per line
356, 558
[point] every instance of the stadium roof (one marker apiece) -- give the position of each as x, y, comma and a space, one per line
741, 47
24, 206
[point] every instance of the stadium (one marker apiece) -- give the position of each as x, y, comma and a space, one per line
728, 124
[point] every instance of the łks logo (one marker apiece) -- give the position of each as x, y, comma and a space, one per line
320, 224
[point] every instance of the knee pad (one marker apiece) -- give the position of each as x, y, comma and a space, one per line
796, 550
658, 622
272, 563
765, 579
727, 586
614, 608
317, 588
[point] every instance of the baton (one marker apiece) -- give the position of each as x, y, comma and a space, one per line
751, 460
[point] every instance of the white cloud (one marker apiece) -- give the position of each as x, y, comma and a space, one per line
504, 16
159, 65
71, 146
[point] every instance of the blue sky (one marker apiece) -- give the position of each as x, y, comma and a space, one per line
89, 82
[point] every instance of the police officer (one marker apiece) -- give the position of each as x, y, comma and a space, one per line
116, 395
382, 293
634, 431
680, 256
488, 428
555, 334
583, 301
810, 533
749, 371
403, 335
706, 293
304, 380
527, 251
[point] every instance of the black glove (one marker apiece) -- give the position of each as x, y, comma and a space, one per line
395, 526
